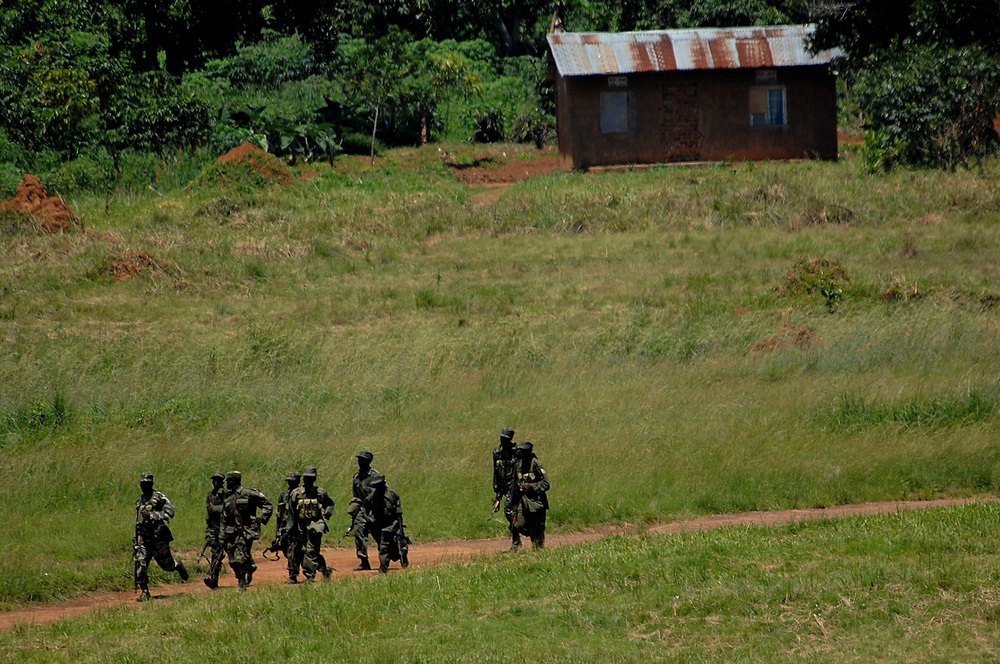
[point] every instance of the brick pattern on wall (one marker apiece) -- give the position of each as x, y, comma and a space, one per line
682, 135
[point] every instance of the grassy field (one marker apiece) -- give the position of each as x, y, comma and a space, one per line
918, 586
675, 341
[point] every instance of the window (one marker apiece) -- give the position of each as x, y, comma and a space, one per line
617, 112
767, 106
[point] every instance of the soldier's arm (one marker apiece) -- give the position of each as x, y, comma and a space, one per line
327, 502
542, 485
498, 483
266, 508
163, 509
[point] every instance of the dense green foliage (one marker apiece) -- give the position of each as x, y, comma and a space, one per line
663, 336
926, 76
918, 586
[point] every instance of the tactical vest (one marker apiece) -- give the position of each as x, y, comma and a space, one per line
308, 509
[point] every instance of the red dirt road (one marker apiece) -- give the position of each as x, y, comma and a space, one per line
438, 553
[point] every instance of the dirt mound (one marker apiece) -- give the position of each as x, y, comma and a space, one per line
265, 165
52, 213
130, 264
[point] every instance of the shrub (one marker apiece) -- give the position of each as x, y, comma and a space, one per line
929, 105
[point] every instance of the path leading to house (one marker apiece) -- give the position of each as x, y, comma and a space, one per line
439, 553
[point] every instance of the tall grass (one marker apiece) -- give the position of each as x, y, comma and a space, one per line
637, 326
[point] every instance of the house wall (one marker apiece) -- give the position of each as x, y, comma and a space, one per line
697, 115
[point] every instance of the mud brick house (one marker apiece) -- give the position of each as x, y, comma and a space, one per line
692, 95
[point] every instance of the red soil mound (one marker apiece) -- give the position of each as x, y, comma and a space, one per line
52, 213
130, 264
263, 163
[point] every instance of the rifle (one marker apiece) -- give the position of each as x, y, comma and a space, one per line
278, 545
402, 544
354, 520
202, 554
496, 507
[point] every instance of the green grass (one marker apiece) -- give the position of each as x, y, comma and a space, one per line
916, 586
638, 327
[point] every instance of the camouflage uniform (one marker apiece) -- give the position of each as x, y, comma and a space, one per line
152, 535
240, 526
291, 545
503, 478
363, 510
308, 508
213, 516
529, 495
393, 543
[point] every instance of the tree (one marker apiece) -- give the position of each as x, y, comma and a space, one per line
926, 74
373, 73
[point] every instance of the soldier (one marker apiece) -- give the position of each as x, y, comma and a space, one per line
363, 509
213, 516
152, 536
393, 542
240, 526
529, 495
503, 478
285, 538
308, 508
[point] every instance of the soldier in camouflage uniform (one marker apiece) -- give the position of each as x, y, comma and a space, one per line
529, 495
308, 508
240, 526
503, 479
152, 536
393, 544
363, 509
285, 536
213, 516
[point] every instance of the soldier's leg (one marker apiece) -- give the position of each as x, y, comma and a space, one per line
294, 555
515, 537
237, 561
166, 560
310, 555
518, 527
142, 557
385, 547
361, 545
538, 529
218, 554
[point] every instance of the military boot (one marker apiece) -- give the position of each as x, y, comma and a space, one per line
292, 579
179, 566
404, 560
211, 581
327, 570
144, 596
364, 566
241, 584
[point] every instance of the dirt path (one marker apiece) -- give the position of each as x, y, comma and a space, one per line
438, 553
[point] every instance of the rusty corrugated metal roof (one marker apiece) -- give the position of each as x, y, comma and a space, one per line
589, 53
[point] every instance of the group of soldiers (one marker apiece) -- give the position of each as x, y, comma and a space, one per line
235, 514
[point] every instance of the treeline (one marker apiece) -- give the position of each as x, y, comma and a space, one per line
95, 93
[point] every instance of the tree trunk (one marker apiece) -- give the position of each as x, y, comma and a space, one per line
374, 127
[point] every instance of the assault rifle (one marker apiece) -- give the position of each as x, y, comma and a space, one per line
496, 506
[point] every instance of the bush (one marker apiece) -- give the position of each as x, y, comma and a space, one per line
929, 106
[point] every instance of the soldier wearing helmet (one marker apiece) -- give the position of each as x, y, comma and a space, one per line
240, 527
364, 508
285, 537
529, 494
309, 506
503, 478
152, 535
213, 515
